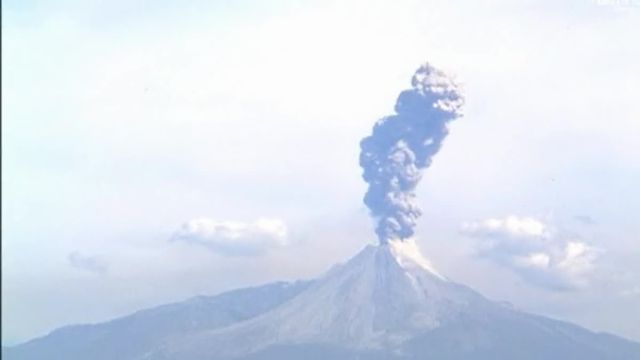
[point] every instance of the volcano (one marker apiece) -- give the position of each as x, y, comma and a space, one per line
387, 302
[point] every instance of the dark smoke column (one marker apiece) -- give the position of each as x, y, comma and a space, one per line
402, 145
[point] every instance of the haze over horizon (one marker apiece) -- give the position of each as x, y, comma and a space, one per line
153, 152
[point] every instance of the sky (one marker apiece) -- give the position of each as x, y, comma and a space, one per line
156, 150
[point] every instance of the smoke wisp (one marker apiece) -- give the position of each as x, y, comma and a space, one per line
402, 145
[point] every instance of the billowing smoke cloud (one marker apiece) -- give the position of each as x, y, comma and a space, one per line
402, 145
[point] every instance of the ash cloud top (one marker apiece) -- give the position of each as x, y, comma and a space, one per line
402, 145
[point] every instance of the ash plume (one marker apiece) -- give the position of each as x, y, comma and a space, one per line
402, 145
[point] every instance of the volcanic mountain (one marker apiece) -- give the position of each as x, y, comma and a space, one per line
385, 303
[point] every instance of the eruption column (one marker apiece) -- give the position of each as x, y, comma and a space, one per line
402, 145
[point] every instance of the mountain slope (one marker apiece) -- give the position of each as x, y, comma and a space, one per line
377, 300
385, 303
133, 336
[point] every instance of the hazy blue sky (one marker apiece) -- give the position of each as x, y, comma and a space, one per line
133, 131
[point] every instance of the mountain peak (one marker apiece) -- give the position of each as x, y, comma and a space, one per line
378, 299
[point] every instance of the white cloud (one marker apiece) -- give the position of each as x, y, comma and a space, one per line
89, 263
234, 238
535, 251
511, 225
631, 292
